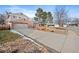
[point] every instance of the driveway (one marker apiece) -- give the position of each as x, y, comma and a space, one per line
58, 42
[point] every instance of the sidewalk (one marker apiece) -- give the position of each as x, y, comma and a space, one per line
72, 43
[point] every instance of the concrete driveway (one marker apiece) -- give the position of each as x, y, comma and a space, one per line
58, 42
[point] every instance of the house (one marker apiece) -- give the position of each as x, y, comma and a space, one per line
16, 16
73, 24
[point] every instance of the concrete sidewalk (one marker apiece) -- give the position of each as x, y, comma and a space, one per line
72, 43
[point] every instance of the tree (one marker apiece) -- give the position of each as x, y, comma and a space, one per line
38, 14
76, 20
7, 14
35, 18
41, 16
2, 19
44, 17
61, 15
50, 17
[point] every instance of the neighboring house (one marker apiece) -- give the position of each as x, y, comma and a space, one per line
57, 25
50, 24
73, 24
16, 17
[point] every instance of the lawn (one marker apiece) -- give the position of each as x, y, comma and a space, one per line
6, 36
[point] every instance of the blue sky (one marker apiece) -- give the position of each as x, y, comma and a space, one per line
30, 10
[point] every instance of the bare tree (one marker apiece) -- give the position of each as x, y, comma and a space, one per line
61, 15
76, 20
2, 19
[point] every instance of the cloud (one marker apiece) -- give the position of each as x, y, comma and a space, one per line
29, 13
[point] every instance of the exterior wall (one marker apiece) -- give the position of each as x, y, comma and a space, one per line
5, 27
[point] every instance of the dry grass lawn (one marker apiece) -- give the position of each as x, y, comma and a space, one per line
6, 36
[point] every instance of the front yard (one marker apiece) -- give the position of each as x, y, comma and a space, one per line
6, 36
14, 43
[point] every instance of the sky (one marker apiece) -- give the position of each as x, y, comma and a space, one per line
30, 10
